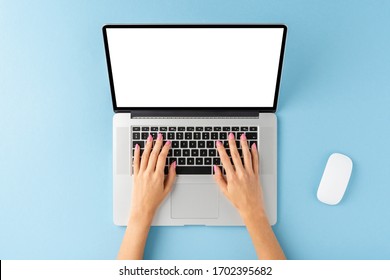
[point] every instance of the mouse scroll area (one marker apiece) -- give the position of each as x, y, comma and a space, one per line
335, 179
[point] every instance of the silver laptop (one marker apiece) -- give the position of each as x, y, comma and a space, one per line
195, 84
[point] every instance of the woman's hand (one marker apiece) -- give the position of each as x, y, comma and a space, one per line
150, 187
242, 185
149, 190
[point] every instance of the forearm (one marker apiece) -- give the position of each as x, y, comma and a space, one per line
133, 244
264, 240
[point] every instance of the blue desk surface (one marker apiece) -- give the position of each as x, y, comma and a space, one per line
56, 115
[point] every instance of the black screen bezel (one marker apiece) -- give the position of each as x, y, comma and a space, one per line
216, 109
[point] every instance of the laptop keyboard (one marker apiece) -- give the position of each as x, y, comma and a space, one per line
193, 148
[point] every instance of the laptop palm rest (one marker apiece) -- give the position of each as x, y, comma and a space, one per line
195, 201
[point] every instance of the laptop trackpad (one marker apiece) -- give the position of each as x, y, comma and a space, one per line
195, 201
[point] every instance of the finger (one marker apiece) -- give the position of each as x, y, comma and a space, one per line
220, 180
155, 152
136, 159
234, 152
255, 158
246, 154
146, 153
163, 156
170, 179
224, 158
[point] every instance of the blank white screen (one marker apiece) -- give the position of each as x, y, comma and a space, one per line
194, 67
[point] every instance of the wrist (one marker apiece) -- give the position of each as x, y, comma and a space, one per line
253, 214
140, 218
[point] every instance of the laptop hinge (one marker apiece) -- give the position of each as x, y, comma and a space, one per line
195, 113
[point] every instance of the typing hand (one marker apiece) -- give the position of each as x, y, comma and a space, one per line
150, 186
241, 184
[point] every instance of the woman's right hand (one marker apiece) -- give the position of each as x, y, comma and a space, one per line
241, 184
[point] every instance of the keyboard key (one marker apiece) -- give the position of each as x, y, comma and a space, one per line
171, 160
194, 152
208, 128
225, 128
210, 144
154, 128
192, 144
144, 135
171, 135
217, 128
235, 128
136, 136
253, 128
201, 144
226, 144
182, 161
188, 135
177, 153
181, 128
190, 161
199, 128
183, 144
216, 161
145, 128
190, 128
179, 135
205, 135
154, 135
212, 153
214, 135
244, 128
164, 135
175, 144
186, 152
193, 170
140, 143
170, 153
251, 143
136, 128
203, 152
163, 128
199, 161
251, 135
223, 135
207, 161
238, 135
172, 128
197, 135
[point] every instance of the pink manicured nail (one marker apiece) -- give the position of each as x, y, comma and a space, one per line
215, 168
243, 136
159, 136
231, 135
168, 143
150, 137
174, 164
218, 143
254, 146
136, 146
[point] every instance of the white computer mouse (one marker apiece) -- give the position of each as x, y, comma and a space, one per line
335, 179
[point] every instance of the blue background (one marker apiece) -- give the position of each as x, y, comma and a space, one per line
56, 121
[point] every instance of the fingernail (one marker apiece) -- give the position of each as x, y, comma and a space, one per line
168, 143
150, 137
174, 164
231, 135
218, 143
159, 136
254, 146
215, 168
243, 136
136, 146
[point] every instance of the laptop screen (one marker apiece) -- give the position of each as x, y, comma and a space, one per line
194, 66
